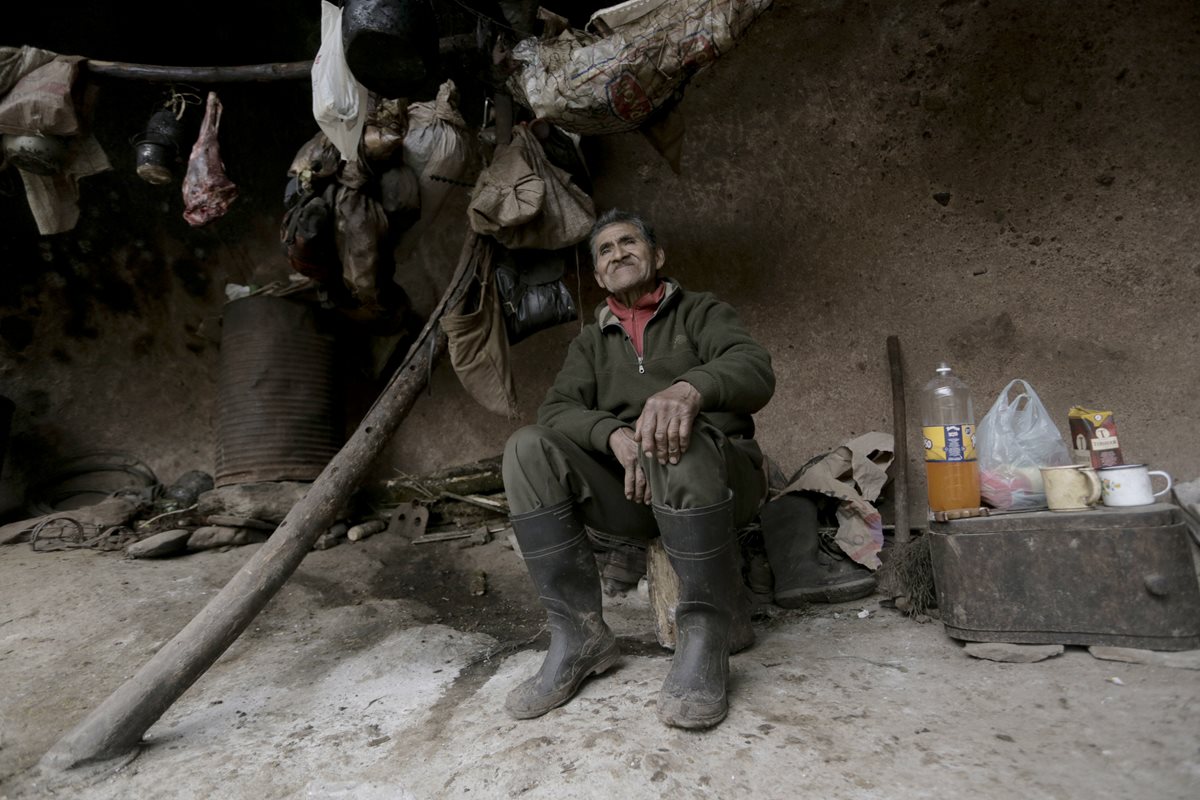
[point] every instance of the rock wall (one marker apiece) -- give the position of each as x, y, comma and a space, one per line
1003, 184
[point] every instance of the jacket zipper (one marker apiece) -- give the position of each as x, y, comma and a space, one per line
628, 338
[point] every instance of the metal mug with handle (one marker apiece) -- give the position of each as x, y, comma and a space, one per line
1074, 487
1130, 485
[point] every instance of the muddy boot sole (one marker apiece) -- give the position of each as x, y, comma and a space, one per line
521, 705
679, 712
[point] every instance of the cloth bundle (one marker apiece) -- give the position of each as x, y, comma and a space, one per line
613, 82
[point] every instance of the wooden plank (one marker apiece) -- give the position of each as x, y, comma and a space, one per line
664, 592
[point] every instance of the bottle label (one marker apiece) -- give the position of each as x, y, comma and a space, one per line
949, 442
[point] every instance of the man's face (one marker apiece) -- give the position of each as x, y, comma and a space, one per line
625, 260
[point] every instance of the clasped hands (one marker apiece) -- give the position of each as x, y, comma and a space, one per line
662, 432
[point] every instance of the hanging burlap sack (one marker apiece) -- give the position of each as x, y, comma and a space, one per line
362, 237
505, 202
477, 341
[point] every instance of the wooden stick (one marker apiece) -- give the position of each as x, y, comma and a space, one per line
248, 73
117, 724
900, 447
154, 73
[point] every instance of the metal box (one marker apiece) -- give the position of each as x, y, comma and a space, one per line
1122, 577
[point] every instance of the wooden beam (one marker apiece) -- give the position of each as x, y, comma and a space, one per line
117, 724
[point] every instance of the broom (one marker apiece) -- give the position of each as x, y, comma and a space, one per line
906, 576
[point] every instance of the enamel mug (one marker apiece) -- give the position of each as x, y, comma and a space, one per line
1074, 487
1129, 485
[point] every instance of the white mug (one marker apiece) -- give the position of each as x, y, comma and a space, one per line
1129, 485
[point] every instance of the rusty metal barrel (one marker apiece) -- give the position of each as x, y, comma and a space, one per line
277, 414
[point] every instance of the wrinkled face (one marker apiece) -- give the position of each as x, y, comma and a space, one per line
625, 260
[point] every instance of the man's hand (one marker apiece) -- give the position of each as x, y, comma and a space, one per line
665, 426
637, 488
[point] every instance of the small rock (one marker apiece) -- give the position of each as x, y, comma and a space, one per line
943, 198
227, 521
332, 537
1187, 659
1013, 653
213, 536
479, 584
268, 502
979, 271
1106, 179
167, 543
188, 487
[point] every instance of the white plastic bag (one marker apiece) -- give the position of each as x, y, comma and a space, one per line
339, 101
1013, 441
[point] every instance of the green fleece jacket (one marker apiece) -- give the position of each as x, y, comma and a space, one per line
691, 337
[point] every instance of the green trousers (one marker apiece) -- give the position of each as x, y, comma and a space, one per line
543, 468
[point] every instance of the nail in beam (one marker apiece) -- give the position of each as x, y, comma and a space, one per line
116, 725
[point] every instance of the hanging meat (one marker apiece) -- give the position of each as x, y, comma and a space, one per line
207, 192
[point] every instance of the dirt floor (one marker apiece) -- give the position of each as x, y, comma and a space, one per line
363, 678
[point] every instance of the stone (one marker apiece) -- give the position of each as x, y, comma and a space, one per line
266, 502
1186, 659
212, 536
167, 543
942, 198
1013, 653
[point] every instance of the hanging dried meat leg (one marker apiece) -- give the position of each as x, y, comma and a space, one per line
207, 192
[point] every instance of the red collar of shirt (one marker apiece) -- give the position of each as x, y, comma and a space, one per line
634, 320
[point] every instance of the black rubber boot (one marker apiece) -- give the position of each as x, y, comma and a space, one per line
805, 571
560, 562
699, 542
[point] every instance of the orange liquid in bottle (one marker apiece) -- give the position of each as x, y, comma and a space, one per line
952, 484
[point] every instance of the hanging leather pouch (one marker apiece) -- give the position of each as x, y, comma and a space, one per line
533, 295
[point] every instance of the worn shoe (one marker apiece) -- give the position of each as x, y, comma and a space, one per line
807, 568
563, 569
699, 544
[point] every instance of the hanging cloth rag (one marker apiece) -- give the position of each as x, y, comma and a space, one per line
36, 98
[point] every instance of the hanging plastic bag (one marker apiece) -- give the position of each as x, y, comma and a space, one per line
1015, 439
339, 102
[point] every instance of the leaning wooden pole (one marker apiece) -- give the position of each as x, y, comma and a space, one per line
117, 724
900, 443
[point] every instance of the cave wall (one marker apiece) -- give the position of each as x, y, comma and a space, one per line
1007, 185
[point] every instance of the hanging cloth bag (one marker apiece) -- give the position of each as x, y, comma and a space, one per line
524, 201
476, 338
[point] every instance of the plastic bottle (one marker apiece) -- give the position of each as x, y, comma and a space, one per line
948, 421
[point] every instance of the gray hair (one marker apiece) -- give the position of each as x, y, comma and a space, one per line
615, 215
